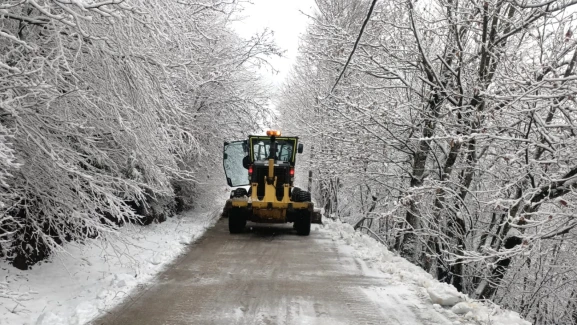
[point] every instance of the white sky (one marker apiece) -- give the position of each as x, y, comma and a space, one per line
285, 20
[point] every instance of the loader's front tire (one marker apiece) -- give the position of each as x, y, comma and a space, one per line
236, 221
302, 196
303, 224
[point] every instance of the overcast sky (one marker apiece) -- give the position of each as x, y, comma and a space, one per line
285, 19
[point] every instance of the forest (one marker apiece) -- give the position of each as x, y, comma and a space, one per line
444, 129
449, 135
114, 112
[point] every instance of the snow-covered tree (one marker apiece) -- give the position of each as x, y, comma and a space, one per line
450, 136
109, 110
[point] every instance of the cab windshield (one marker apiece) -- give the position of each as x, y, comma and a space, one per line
284, 149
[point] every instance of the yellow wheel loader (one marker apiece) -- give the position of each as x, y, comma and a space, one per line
267, 165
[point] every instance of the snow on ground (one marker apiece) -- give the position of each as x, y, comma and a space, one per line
72, 288
445, 298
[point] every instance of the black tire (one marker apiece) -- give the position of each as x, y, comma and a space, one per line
294, 192
236, 221
240, 192
303, 224
302, 196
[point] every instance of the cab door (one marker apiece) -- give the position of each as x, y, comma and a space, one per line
233, 154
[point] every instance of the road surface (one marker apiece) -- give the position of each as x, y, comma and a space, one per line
269, 275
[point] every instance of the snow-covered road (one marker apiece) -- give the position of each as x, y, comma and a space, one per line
268, 275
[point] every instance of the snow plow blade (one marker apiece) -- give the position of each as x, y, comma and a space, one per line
317, 217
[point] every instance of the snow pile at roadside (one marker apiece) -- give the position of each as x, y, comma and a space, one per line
442, 295
74, 287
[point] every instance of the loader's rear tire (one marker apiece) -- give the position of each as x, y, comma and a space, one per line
236, 220
302, 196
294, 192
303, 224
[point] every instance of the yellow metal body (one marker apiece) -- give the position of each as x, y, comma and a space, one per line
269, 209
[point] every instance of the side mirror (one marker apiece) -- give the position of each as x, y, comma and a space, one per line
229, 181
225, 156
300, 148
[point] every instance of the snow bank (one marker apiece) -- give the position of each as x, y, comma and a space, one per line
396, 268
444, 294
73, 288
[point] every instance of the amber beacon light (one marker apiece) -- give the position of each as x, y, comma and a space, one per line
273, 133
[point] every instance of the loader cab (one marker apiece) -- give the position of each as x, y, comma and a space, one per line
282, 150
247, 161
